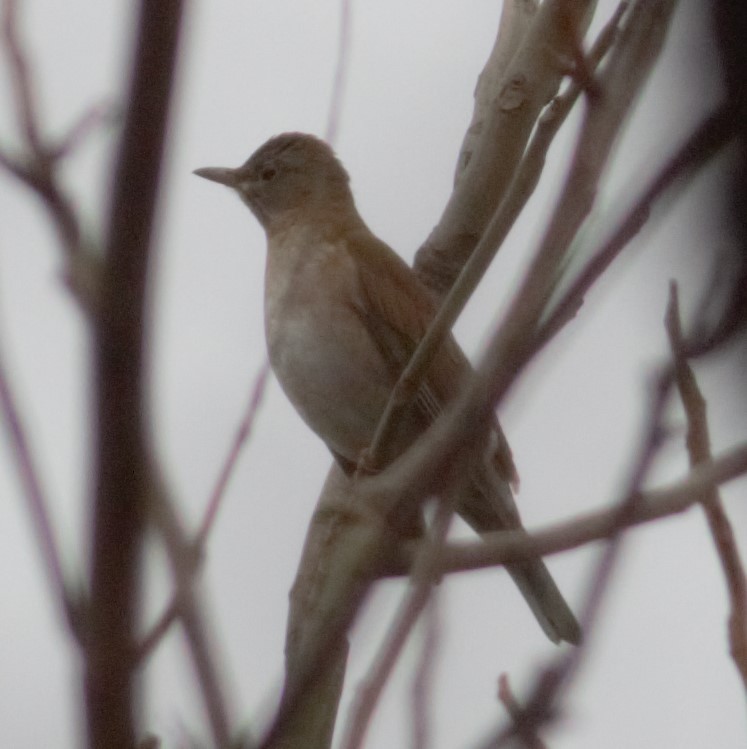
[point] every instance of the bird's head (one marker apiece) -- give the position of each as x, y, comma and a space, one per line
289, 174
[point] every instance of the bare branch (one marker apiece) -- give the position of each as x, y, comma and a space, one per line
525, 730
37, 504
550, 121
21, 80
122, 464
173, 610
699, 450
516, 19
89, 121
242, 435
424, 575
37, 169
700, 147
528, 84
186, 607
502, 547
626, 70
422, 684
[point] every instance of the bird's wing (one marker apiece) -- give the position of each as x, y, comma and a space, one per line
397, 310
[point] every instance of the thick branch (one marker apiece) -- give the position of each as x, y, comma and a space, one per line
121, 479
530, 81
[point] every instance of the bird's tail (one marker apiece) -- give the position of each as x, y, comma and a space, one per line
546, 601
490, 506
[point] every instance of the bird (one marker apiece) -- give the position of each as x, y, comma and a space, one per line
343, 315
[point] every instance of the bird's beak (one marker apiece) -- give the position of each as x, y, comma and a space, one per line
218, 174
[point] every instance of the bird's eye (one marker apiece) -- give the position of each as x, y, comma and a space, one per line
267, 173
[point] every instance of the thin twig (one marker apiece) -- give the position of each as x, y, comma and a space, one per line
422, 684
699, 148
151, 640
502, 547
37, 170
82, 128
699, 450
36, 173
556, 113
242, 435
37, 504
158, 631
541, 706
186, 606
21, 79
424, 575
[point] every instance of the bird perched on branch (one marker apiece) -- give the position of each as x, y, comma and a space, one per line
343, 315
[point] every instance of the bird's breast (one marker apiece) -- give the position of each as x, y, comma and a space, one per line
319, 347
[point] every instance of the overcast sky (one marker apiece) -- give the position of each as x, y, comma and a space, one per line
658, 672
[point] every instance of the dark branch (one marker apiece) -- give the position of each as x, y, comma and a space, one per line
122, 461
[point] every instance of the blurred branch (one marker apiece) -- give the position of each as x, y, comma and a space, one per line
541, 706
641, 39
37, 169
113, 292
502, 547
21, 81
97, 116
122, 462
151, 640
626, 70
242, 435
700, 147
423, 576
699, 450
524, 729
186, 607
28, 475
423, 681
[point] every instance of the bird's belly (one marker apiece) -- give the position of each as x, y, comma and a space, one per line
332, 372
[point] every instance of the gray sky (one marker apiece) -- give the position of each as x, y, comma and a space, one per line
658, 672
